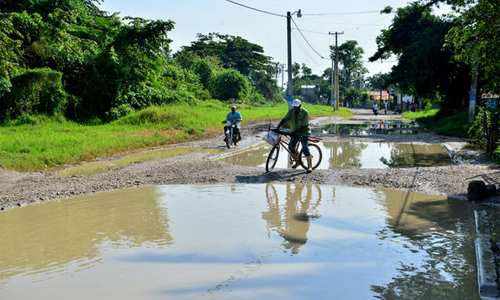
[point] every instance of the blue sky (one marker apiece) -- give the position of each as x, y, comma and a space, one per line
204, 16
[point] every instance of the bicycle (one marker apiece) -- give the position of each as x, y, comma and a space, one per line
283, 140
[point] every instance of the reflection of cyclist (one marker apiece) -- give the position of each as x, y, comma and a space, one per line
297, 120
234, 118
292, 223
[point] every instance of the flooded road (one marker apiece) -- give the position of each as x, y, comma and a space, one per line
354, 154
367, 129
270, 241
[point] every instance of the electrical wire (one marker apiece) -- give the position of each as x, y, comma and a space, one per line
316, 32
306, 40
256, 9
344, 13
306, 53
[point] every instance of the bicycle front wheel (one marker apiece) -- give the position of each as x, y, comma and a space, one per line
316, 154
272, 158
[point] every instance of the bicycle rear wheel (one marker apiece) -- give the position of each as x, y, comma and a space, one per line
272, 158
317, 157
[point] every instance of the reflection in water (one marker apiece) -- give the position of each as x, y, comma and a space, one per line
447, 272
351, 154
346, 154
235, 242
417, 155
46, 237
251, 158
292, 218
343, 129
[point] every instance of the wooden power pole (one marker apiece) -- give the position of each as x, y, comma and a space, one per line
336, 57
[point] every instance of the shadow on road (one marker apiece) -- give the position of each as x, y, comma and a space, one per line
282, 175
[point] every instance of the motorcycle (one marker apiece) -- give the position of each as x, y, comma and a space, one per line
230, 132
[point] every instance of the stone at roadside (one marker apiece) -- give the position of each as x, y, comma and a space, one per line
478, 190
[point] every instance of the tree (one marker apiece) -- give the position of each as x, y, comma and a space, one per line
475, 39
229, 84
351, 59
425, 67
233, 52
379, 81
295, 70
306, 71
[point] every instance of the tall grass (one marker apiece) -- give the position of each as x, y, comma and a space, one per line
420, 114
454, 125
54, 142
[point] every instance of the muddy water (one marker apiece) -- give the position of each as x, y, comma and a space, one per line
271, 241
366, 129
363, 155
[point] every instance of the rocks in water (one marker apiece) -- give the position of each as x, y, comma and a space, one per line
478, 190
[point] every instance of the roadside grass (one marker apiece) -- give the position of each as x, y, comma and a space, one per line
420, 114
455, 125
55, 142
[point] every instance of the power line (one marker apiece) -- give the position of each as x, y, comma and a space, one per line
256, 9
316, 32
365, 12
306, 40
307, 54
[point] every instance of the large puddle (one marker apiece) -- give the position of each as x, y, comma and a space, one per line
351, 154
281, 241
367, 129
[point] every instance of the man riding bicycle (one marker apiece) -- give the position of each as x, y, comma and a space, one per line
234, 117
297, 120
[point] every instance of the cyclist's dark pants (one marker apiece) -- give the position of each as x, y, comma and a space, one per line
304, 140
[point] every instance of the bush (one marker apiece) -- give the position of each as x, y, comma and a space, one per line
37, 91
5, 86
120, 111
479, 132
229, 84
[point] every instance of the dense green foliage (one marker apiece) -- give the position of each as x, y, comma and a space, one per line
425, 67
352, 67
482, 130
37, 91
69, 57
237, 53
475, 38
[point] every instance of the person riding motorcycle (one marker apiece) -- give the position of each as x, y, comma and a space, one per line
234, 118
297, 120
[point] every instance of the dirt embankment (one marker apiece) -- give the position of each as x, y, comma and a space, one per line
20, 189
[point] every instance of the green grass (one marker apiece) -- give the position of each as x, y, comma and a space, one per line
420, 114
52, 143
455, 125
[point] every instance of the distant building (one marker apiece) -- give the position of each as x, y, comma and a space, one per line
375, 95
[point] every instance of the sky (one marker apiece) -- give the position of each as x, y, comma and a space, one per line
355, 18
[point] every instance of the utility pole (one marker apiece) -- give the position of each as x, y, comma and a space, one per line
289, 94
332, 80
336, 57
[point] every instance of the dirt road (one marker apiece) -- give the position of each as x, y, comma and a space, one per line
20, 189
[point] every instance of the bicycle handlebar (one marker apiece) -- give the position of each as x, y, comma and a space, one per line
287, 133
281, 132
